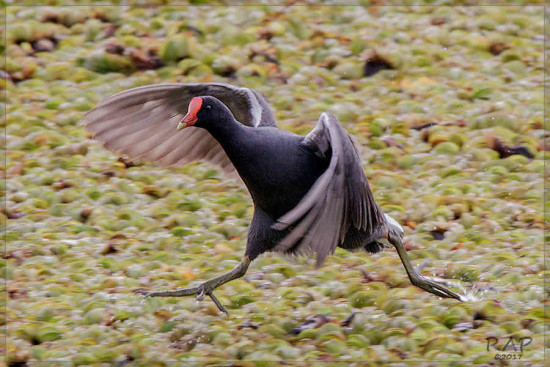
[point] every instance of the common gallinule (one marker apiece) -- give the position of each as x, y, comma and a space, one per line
310, 193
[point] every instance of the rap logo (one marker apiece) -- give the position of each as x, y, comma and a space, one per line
510, 349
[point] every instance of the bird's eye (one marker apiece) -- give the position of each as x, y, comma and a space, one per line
208, 107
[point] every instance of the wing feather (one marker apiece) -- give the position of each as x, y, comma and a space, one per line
140, 123
340, 197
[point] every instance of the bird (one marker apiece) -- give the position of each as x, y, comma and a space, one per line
310, 193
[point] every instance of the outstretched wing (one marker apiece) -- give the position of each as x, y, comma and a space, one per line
141, 123
340, 198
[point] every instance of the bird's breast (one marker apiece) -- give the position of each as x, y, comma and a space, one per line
279, 175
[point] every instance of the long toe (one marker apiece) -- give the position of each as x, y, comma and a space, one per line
445, 282
449, 293
143, 292
436, 288
205, 288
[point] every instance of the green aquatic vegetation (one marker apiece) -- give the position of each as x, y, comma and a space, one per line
84, 230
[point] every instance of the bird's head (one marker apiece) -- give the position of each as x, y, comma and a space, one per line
203, 111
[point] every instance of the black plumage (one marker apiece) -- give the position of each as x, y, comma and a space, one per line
310, 193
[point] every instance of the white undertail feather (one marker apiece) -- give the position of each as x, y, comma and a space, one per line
395, 231
392, 223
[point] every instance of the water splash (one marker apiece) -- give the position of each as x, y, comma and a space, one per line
466, 295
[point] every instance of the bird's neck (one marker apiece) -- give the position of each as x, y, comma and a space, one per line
229, 133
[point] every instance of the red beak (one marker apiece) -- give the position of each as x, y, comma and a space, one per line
188, 120
191, 117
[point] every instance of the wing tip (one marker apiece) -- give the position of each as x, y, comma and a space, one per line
319, 261
327, 116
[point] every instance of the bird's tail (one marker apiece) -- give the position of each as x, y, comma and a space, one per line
395, 231
392, 236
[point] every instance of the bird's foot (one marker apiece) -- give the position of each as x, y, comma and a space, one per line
206, 288
433, 285
144, 293
203, 289
204, 292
